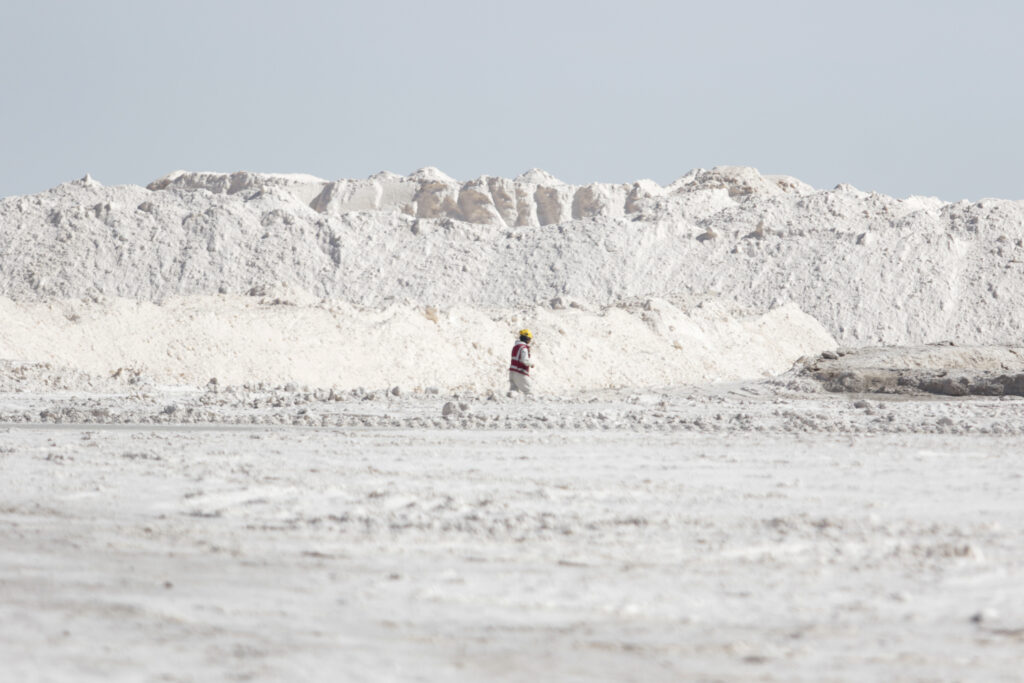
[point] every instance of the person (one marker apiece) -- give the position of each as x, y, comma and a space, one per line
519, 371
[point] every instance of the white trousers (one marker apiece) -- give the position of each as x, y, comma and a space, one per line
517, 381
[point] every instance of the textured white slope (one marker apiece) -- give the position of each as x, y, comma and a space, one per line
870, 268
245, 339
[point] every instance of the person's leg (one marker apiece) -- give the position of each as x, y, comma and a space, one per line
519, 382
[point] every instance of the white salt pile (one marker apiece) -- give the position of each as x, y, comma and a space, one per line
362, 259
245, 339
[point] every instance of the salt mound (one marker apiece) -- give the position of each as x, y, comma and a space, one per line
872, 269
189, 340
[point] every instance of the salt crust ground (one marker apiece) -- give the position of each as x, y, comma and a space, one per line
762, 529
907, 383
751, 530
176, 553
765, 530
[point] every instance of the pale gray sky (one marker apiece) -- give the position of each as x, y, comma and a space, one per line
899, 97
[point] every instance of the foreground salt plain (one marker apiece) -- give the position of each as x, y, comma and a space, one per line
726, 534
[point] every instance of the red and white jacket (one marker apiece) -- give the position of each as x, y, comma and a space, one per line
521, 361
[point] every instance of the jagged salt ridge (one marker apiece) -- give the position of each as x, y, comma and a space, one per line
871, 268
533, 198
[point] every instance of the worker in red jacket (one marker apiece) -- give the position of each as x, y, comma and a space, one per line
519, 371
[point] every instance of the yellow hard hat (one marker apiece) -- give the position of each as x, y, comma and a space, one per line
525, 333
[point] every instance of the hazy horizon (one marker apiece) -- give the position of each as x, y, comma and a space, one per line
902, 98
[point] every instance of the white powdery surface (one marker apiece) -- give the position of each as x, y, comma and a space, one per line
872, 269
188, 341
405, 555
